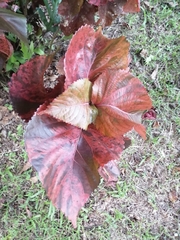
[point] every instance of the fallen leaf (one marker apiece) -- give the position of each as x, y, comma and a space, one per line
34, 179
29, 213
148, 6
156, 124
144, 53
26, 167
173, 197
110, 172
155, 72
176, 170
2, 201
172, 4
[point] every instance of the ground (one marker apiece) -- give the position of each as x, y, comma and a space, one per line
145, 201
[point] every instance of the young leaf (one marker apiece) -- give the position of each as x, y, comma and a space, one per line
90, 53
64, 161
6, 49
112, 54
14, 23
27, 89
121, 99
73, 105
80, 55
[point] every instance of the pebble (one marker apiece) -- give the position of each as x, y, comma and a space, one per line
4, 133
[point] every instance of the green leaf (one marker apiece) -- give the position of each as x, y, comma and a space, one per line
39, 51
14, 23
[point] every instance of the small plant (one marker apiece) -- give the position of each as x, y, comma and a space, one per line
26, 52
80, 124
51, 21
10, 22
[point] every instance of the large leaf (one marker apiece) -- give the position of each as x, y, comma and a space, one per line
6, 49
14, 23
74, 16
27, 89
67, 159
73, 105
90, 53
121, 99
64, 161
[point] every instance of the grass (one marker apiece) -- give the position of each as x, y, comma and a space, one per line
139, 205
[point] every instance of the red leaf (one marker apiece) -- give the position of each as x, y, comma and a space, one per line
90, 53
121, 99
79, 56
67, 159
71, 22
109, 9
112, 54
60, 66
74, 15
6, 49
150, 114
98, 2
64, 161
104, 148
70, 7
73, 106
27, 89
131, 6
